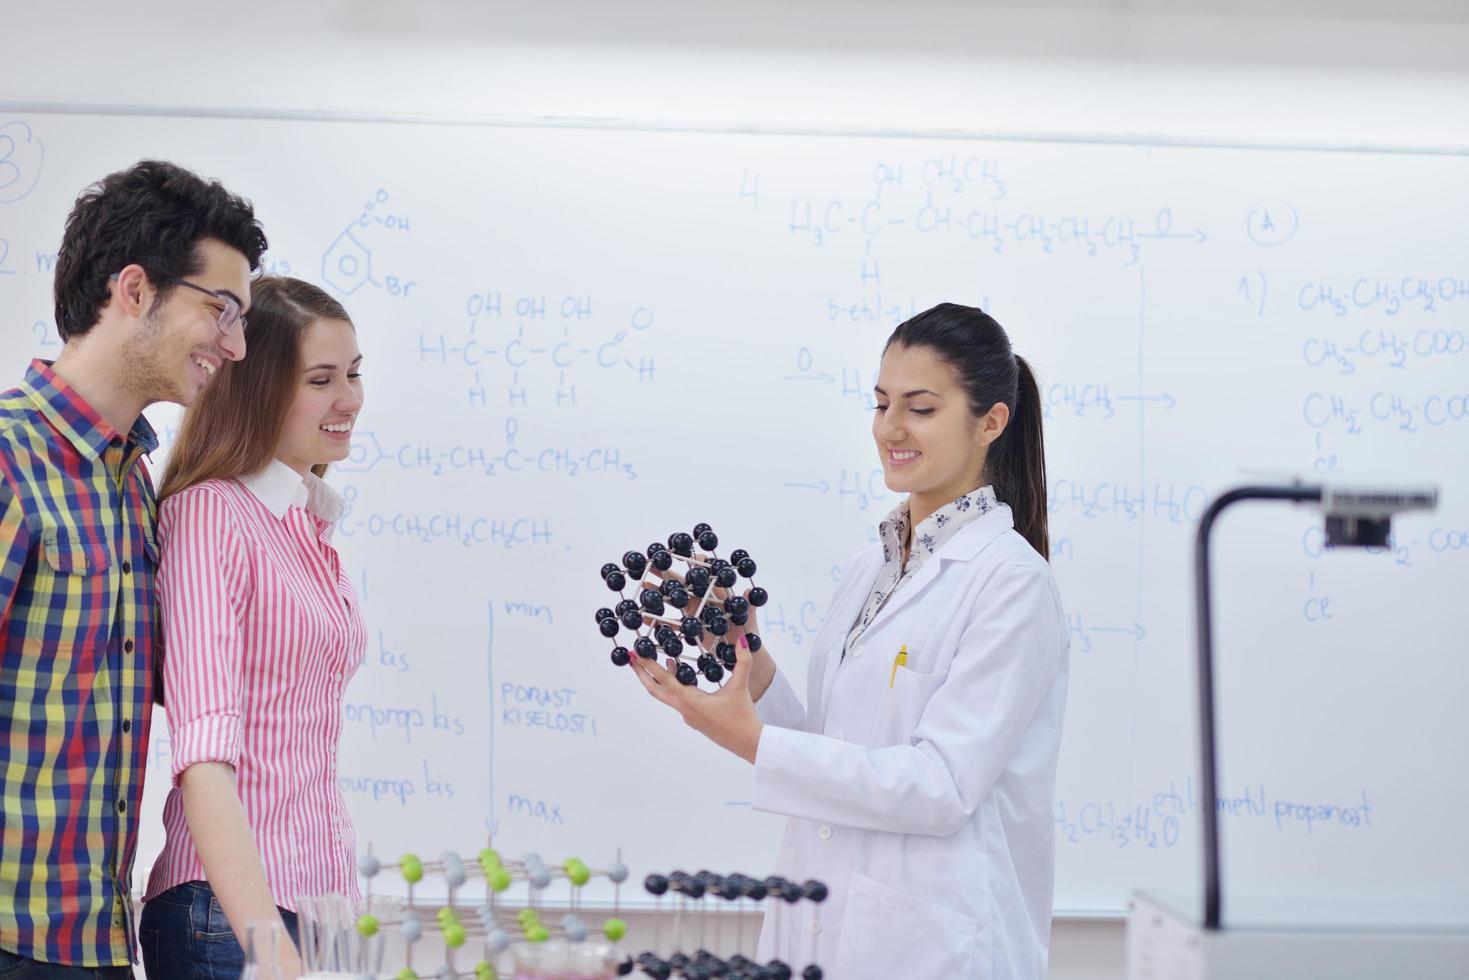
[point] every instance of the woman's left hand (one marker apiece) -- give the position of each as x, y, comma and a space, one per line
726, 717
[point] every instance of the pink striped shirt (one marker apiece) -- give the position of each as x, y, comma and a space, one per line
262, 632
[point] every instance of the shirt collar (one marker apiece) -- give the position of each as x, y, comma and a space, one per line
279, 488
74, 417
937, 528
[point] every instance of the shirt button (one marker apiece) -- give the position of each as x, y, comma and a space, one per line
127, 725
127, 646
824, 833
122, 806
127, 568
815, 928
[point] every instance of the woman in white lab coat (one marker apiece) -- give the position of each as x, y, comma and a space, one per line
919, 776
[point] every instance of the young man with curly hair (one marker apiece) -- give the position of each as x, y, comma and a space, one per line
152, 284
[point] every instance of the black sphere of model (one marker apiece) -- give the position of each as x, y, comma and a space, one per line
635, 562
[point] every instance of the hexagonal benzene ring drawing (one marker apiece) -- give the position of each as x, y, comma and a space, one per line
347, 265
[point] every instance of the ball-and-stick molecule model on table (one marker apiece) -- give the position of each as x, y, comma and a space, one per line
682, 604
701, 902
483, 931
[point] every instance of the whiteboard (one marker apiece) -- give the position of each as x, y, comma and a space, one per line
580, 340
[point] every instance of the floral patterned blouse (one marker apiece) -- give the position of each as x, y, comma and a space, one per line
928, 537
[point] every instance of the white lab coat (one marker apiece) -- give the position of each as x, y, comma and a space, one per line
926, 806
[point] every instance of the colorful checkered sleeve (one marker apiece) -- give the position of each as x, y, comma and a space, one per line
15, 544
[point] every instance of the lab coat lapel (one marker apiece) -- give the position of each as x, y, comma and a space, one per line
964, 546
838, 624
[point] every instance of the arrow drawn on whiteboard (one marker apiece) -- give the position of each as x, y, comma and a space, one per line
822, 487
1168, 400
823, 377
1136, 630
492, 822
1197, 235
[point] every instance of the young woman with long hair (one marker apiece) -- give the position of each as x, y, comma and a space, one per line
261, 633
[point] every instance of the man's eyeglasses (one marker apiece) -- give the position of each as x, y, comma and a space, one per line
230, 316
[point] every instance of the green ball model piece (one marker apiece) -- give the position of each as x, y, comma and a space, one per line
527, 916
453, 935
577, 871
447, 915
412, 868
484, 971
407, 974
537, 934
614, 929
498, 878
367, 926
489, 860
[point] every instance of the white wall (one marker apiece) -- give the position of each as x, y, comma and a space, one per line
1320, 72
1297, 70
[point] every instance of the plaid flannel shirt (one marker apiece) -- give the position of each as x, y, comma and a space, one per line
77, 621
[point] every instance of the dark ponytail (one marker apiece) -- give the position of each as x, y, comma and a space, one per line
1017, 462
979, 350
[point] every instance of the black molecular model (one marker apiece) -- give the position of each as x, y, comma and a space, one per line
685, 611
699, 899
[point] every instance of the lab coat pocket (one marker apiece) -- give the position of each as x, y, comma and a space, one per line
903, 704
888, 933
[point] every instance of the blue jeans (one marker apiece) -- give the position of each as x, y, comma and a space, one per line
185, 936
14, 967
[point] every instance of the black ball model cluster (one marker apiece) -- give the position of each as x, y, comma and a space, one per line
706, 886
684, 611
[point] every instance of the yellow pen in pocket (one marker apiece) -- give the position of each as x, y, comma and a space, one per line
901, 660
